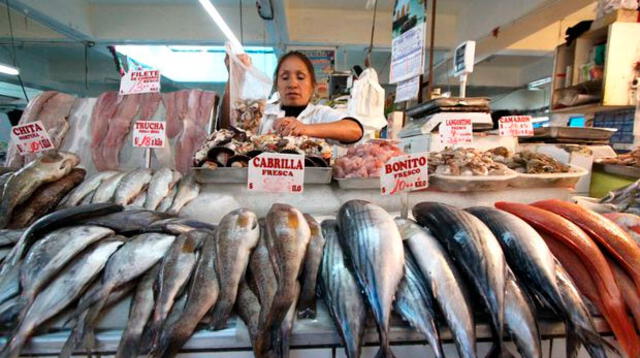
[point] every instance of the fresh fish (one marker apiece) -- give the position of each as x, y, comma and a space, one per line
629, 222
167, 201
603, 231
281, 341
414, 303
131, 185
628, 290
474, 250
287, 238
106, 190
9, 312
127, 222
444, 282
179, 226
44, 199
61, 292
135, 257
237, 235
312, 260
570, 235
9, 237
520, 320
51, 222
202, 296
19, 187
187, 190
139, 314
373, 246
160, 186
3, 180
10, 283
175, 270
88, 199
341, 293
138, 201
50, 254
81, 191
248, 308
594, 204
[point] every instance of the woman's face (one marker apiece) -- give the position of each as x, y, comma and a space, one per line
294, 83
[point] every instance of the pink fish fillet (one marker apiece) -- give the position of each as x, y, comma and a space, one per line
149, 105
628, 222
103, 111
173, 122
30, 114
192, 134
119, 127
208, 100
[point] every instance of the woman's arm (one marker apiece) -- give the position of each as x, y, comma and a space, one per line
345, 130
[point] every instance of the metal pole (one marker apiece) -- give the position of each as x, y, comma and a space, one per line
404, 198
431, 47
147, 156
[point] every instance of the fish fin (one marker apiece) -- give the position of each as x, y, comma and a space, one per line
382, 353
77, 328
498, 350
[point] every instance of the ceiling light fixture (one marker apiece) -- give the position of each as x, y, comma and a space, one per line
9, 70
215, 15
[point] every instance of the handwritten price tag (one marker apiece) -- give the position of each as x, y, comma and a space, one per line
31, 138
515, 126
405, 173
140, 82
456, 131
276, 173
149, 134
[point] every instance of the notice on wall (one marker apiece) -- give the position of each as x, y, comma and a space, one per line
408, 40
149, 134
515, 126
404, 174
456, 131
408, 90
140, 82
276, 173
31, 138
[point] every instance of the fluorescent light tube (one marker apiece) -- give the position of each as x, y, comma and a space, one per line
9, 70
215, 15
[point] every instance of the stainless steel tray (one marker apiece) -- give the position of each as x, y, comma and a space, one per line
595, 134
450, 183
554, 180
239, 175
359, 183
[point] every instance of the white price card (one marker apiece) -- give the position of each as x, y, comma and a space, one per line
407, 90
31, 138
515, 126
456, 131
140, 82
405, 173
149, 134
276, 173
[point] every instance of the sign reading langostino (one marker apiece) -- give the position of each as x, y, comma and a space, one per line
276, 173
456, 131
405, 173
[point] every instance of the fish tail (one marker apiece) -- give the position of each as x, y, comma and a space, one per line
385, 345
12, 350
220, 315
499, 351
595, 345
128, 347
385, 353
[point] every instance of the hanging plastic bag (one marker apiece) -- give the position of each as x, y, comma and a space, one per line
248, 92
367, 102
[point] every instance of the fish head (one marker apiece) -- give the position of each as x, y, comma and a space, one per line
314, 226
60, 162
239, 221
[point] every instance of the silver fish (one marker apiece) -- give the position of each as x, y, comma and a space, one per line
87, 199
138, 201
187, 190
167, 201
10, 237
127, 222
281, 341
61, 292
475, 251
313, 258
10, 283
520, 320
131, 185
341, 292
175, 270
248, 308
373, 246
105, 191
89, 185
202, 295
445, 283
162, 182
236, 236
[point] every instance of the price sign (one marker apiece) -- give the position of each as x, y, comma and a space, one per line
276, 173
515, 126
140, 82
405, 173
456, 131
149, 134
31, 138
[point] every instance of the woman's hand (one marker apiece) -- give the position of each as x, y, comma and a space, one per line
289, 126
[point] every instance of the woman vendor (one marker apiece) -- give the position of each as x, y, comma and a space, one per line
294, 114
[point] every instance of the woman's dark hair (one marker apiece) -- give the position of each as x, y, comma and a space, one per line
303, 58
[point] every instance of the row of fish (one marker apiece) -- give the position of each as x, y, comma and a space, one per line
163, 190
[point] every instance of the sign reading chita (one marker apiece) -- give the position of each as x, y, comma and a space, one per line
31, 138
276, 173
405, 173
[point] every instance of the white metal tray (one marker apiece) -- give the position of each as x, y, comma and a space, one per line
551, 180
239, 175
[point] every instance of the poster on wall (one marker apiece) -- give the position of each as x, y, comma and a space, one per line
323, 60
408, 40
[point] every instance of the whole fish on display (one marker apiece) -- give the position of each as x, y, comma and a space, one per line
236, 236
188, 189
444, 283
248, 308
162, 182
475, 251
131, 185
629, 222
628, 290
312, 260
81, 191
127, 222
341, 293
373, 246
178, 226
107, 188
520, 321
138, 201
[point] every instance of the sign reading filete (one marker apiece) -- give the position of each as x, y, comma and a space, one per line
140, 82
276, 173
515, 126
405, 173
31, 138
456, 131
149, 134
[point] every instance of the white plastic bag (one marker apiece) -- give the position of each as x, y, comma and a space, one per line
248, 92
607, 6
367, 101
